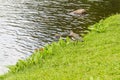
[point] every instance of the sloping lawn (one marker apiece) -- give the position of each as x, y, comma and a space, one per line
97, 58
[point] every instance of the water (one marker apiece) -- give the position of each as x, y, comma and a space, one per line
29, 24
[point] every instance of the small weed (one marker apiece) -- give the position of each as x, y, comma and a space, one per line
98, 27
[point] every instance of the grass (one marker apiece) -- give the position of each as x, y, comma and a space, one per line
97, 58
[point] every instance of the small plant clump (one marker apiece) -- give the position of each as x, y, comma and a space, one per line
99, 27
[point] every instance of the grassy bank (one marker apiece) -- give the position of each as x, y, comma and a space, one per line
97, 58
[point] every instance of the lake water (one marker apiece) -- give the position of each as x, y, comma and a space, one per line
29, 24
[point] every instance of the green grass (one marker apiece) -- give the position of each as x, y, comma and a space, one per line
97, 58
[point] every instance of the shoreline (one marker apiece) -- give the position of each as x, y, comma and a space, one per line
92, 59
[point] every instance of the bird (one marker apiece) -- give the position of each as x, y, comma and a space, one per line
57, 36
79, 12
75, 37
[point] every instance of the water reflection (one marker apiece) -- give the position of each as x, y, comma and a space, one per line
29, 24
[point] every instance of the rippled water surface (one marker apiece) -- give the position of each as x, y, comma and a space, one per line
29, 24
